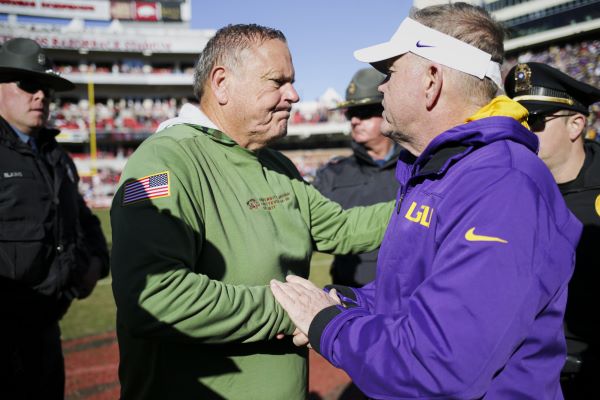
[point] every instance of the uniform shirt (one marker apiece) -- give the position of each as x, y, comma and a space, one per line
582, 318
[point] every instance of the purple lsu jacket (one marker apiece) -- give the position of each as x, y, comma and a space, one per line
472, 277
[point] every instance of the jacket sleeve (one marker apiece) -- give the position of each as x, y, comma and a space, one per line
338, 231
158, 283
472, 311
93, 238
362, 297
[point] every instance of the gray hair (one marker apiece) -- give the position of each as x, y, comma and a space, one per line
225, 47
473, 25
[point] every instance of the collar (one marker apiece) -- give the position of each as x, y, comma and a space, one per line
360, 152
588, 176
189, 114
501, 119
502, 106
440, 160
24, 137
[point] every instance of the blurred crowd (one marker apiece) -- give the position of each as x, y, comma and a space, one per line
131, 66
118, 119
119, 116
115, 116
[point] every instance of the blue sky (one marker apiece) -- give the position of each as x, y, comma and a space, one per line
322, 34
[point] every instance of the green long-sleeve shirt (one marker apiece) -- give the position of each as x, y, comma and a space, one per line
191, 265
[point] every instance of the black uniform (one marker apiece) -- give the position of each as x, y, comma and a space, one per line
47, 237
357, 181
582, 318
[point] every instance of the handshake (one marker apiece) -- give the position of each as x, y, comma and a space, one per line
302, 300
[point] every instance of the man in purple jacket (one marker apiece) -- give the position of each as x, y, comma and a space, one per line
472, 274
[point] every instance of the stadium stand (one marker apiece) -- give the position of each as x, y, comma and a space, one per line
141, 74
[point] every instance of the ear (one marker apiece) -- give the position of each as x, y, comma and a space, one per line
434, 79
575, 126
218, 84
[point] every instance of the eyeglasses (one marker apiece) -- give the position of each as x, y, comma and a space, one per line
31, 87
364, 112
537, 122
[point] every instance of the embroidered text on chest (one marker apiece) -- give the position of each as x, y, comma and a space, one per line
268, 203
421, 216
12, 174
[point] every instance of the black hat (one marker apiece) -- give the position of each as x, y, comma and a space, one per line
22, 58
541, 88
362, 89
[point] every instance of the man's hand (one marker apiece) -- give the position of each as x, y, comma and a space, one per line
89, 280
299, 338
302, 300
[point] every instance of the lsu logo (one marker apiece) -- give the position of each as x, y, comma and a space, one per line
422, 216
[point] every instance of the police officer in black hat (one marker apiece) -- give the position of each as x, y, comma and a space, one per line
51, 246
558, 107
367, 176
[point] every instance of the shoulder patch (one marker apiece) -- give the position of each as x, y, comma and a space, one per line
335, 160
146, 188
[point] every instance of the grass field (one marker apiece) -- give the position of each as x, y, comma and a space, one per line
96, 314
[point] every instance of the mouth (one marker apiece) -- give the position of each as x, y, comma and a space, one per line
285, 113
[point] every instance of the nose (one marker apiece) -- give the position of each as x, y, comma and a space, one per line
41, 94
290, 93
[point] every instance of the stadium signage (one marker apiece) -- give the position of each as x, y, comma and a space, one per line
61, 41
188, 44
84, 9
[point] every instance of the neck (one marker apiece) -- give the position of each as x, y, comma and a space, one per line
214, 112
441, 118
379, 150
22, 129
569, 168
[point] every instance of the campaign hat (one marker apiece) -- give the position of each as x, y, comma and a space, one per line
544, 89
362, 89
22, 58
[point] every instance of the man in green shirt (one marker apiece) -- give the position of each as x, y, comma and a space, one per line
205, 216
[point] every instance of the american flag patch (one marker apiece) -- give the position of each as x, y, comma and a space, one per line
148, 187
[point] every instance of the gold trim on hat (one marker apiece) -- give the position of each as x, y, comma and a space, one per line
548, 99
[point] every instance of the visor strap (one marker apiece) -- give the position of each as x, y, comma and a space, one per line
493, 72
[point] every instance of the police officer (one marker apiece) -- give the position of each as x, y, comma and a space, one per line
558, 106
367, 176
51, 246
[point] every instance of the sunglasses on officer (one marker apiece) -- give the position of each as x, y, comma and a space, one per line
537, 122
364, 112
32, 87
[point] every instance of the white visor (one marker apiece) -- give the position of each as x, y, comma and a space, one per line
436, 46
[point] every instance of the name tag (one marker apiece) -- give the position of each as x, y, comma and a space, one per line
15, 174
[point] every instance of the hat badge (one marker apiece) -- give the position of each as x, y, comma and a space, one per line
522, 78
41, 59
352, 88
